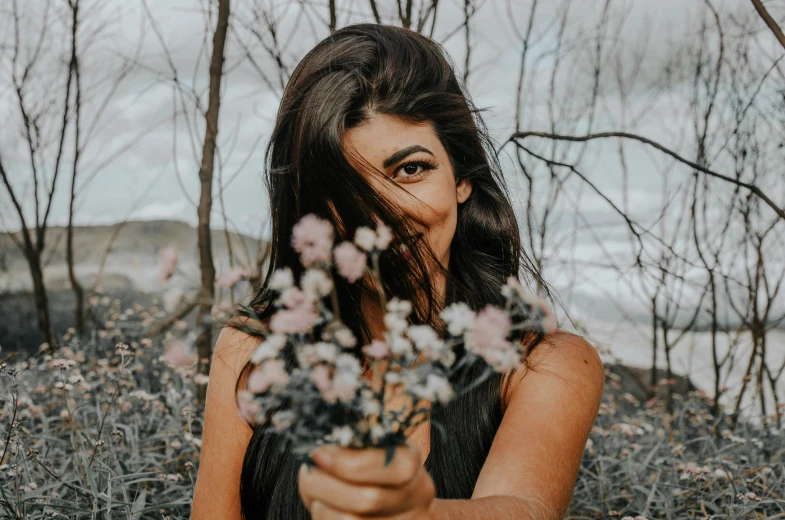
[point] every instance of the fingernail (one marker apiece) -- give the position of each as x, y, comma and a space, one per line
323, 456
303, 469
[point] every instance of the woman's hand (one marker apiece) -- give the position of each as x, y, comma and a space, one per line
349, 484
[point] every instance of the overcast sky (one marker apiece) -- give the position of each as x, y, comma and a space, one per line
143, 181
153, 173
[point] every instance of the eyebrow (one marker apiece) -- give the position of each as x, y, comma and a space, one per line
400, 154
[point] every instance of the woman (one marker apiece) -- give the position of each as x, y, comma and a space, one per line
374, 126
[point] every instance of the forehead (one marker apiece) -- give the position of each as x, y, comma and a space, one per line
383, 135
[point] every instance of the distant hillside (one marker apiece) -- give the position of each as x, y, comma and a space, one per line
130, 273
133, 254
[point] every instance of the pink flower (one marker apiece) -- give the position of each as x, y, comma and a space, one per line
294, 298
350, 261
376, 349
176, 356
312, 237
490, 330
299, 315
167, 262
344, 388
321, 378
230, 278
247, 407
299, 319
267, 374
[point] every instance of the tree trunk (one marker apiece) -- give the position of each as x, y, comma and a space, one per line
41, 300
204, 340
69, 248
653, 382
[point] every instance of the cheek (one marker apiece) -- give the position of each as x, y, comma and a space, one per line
439, 218
431, 204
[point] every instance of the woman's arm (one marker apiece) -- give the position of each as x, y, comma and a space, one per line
226, 435
529, 473
534, 460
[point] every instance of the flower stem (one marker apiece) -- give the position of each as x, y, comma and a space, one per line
334, 298
378, 383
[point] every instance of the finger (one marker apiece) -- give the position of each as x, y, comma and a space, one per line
318, 486
366, 465
321, 511
304, 490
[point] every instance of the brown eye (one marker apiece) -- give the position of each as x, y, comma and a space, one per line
410, 169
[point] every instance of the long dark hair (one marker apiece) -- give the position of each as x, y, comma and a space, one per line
356, 71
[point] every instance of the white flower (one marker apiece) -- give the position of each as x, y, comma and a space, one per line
141, 394
365, 238
347, 364
316, 284
425, 338
201, 379
383, 236
269, 348
436, 388
459, 318
400, 346
281, 279
370, 406
399, 307
377, 432
447, 357
345, 337
326, 351
344, 387
393, 378
502, 360
394, 323
307, 356
540, 303
512, 288
282, 420
342, 435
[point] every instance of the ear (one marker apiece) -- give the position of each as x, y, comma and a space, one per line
463, 189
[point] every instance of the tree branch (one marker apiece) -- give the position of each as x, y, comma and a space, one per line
769, 21
578, 139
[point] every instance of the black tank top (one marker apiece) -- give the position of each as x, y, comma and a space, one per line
462, 432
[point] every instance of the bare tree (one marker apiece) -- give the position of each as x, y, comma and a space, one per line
36, 115
204, 341
681, 265
55, 130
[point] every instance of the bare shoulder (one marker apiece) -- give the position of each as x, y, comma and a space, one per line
225, 434
233, 348
568, 357
553, 402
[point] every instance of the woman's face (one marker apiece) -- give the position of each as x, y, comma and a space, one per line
413, 157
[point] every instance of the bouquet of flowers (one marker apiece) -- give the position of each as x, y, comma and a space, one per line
311, 390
